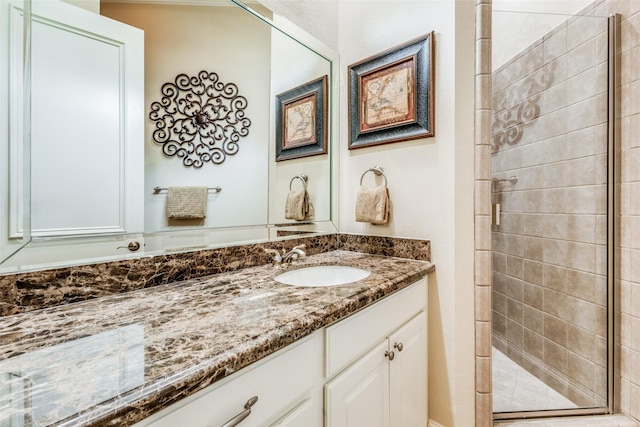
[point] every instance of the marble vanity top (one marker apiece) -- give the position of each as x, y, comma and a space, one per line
117, 359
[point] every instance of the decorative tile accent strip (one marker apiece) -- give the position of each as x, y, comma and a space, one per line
387, 246
49, 288
518, 106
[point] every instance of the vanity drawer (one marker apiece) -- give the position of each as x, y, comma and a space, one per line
357, 334
288, 380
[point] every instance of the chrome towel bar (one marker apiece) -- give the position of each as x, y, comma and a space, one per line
157, 190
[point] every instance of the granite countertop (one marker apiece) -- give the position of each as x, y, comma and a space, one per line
116, 360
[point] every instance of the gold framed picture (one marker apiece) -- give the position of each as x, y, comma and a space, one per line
391, 95
301, 121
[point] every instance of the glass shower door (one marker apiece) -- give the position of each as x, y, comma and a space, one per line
549, 169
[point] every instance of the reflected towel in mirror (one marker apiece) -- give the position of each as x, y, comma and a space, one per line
298, 206
187, 202
373, 205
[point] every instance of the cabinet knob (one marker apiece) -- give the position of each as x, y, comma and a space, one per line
389, 354
399, 346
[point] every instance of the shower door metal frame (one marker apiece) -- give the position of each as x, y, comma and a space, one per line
613, 234
613, 219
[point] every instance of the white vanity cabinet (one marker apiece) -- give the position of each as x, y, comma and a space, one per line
369, 369
288, 385
408, 374
387, 385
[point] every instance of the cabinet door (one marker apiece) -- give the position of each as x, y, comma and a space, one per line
371, 326
408, 374
305, 414
359, 396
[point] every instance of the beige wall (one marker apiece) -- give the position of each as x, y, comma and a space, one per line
237, 47
319, 18
90, 5
293, 65
430, 180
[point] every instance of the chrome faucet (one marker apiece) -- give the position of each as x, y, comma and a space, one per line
294, 254
277, 258
288, 257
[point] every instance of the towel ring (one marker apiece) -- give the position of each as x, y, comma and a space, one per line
377, 170
302, 177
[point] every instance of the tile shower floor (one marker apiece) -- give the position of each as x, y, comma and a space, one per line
515, 389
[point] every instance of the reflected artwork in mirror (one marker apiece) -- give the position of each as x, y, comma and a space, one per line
301, 121
96, 72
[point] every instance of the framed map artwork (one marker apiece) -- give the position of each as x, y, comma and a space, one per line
391, 95
301, 121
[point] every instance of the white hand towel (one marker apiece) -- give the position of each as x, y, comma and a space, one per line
373, 205
187, 202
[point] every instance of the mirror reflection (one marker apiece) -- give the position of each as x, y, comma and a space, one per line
104, 178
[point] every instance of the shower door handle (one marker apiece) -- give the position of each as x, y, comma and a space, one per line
495, 214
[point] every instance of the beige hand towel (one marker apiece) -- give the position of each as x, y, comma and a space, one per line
373, 205
187, 202
298, 206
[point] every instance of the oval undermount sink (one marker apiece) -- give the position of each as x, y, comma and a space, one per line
322, 275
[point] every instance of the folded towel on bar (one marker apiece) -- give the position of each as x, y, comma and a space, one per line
298, 206
373, 205
187, 202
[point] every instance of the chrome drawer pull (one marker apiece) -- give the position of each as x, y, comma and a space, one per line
399, 346
389, 354
242, 415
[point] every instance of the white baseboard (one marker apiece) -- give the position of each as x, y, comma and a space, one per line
432, 423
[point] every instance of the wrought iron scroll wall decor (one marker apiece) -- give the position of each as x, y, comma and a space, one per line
199, 119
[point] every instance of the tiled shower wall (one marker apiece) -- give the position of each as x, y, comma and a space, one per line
549, 133
629, 245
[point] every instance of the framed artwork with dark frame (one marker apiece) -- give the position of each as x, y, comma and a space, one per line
301, 121
391, 95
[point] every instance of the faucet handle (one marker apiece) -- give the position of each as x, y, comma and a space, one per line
277, 258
